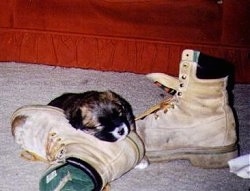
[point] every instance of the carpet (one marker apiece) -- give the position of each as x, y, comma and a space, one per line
24, 84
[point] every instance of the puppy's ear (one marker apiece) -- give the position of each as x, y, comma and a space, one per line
109, 94
115, 98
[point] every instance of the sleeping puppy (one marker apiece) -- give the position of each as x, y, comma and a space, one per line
106, 115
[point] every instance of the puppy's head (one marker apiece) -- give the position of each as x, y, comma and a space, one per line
106, 115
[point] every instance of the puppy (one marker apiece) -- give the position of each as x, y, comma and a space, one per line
106, 115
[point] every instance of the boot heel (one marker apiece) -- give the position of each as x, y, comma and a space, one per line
218, 160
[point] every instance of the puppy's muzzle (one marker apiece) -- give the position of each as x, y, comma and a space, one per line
120, 132
117, 134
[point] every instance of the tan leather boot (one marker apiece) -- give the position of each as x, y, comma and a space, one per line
78, 161
197, 123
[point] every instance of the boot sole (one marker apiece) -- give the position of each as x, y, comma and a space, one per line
200, 157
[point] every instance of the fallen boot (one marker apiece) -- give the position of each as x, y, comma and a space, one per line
197, 123
77, 160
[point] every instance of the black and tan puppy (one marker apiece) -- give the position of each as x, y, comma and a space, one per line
106, 115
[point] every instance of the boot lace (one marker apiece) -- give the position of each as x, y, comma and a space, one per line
164, 105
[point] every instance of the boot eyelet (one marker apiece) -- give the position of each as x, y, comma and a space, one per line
52, 134
156, 117
179, 93
181, 85
185, 65
183, 76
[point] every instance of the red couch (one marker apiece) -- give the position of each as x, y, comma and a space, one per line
138, 36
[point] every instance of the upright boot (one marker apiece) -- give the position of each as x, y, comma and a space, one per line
197, 123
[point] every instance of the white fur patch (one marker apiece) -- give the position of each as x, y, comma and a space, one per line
116, 133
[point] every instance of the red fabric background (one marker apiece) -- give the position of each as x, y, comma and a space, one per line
124, 35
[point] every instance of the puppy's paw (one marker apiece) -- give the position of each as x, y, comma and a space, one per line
143, 164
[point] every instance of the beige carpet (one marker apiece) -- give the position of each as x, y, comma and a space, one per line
23, 84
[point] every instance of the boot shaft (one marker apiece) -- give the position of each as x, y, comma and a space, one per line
203, 84
200, 74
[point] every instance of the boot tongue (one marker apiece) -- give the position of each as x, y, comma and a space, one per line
169, 90
212, 68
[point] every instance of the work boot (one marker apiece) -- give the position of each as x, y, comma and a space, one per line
196, 123
77, 160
